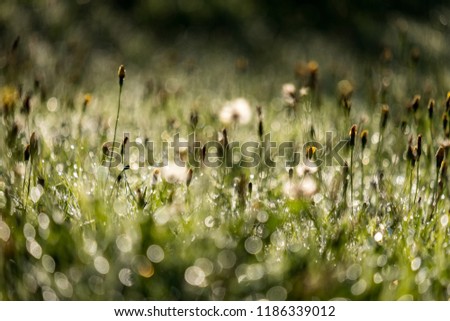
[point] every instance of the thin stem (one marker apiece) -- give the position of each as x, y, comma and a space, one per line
351, 178
434, 199
362, 177
417, 181
410, 185
115, 127
129, 188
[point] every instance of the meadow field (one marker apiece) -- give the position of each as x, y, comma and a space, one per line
287, 166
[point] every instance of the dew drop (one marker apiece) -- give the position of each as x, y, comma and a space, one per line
101, 265
155, 253
253, 244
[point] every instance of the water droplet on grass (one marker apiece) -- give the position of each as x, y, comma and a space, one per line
195, 276
253, 244
378, 237
209, 221
226, 259
34, 248
36, 193
48, 263
359, 287
276, 293
126, 277
155, 253
5, 232
415, 263
124, 243
206, 265
101, 265
262, 216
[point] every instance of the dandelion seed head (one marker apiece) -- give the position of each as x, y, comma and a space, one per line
238, 111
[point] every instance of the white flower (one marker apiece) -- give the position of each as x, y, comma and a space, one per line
237, 110
173, 173
304, 189
304, 91
288, 92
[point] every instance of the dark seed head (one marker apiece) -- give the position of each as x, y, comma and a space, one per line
364, 135
26, 153
384, 116
121, 74
34, 145
411, 155
260, 129
419, 146
189, 177
440, 155
430, 108
124, 144
310, 151
447, 102
415, 103
352, 135
225, 138
26, 107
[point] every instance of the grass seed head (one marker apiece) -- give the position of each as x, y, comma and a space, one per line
352, 135
141, 197
86, 101
419, 146
121, 74
313, 68
447, 102
224, 139
26, 106
189, 177
310, 152
430, 108
124, 144
26, 153
260, 129
384, 116
155, 176
415, 103
34, 146
364, 137
440, 155
411, 155
445, 122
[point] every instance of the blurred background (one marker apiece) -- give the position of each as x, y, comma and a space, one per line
134, 30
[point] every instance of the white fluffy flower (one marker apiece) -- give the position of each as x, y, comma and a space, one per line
173, 173
304, 189
288, 92
237, 110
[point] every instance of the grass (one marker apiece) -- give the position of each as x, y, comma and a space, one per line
366, 231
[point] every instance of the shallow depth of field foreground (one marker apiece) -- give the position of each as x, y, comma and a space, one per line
353, 205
